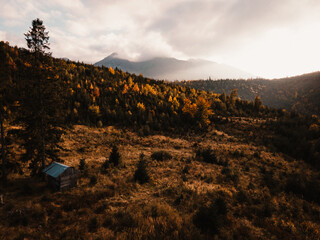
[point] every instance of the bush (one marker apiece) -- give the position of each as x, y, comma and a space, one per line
18, 217
93, 225
141, 175
115, 156
105, 165
82, 164
93, 180
230, 175
161, 156
206, 155
186, 169
210, 218
99, 124
238, 153
257, 155
301, 186
123, 219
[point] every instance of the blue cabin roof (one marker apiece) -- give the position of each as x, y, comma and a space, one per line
55, 169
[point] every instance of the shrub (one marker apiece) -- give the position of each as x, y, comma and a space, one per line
241, 196
115, 156
161, 156
271, 182
82, 164
93, 180
105, 165
230, 175
18, 217
108, 221
210, 218
99, 124
186, 169
257, 155
206, 155
93, 225
238, 153
141, 175
301, 186
123, 219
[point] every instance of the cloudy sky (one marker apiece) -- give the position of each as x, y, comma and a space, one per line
268, 38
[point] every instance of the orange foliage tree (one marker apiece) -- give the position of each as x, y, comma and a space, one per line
200, 111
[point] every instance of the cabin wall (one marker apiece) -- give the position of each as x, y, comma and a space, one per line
68, 179
53, 183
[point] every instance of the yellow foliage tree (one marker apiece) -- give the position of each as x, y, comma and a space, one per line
189, 108
148, 90
111, 70
130, 81
200, 111
94, 109
203, 112
125, 89
141, 106
175, 103
136, 88
96, 92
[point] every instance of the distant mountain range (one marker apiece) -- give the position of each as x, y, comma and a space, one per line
174, 69
299, 93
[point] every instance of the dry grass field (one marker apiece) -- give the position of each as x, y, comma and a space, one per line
243, 192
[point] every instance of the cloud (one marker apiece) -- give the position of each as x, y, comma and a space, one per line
205, 27
233, 31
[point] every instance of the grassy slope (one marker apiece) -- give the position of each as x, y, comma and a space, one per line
117, 207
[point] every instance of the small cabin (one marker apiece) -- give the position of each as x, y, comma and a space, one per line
60, 176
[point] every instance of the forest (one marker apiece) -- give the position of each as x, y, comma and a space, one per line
299, 93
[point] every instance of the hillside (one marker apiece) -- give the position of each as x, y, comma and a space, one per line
100, 96
174, 69
194, 164
259, 193
300, 93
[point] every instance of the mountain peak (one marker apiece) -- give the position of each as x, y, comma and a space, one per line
174, 69
113, 55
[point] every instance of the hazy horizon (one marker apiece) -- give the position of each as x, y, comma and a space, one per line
270, 39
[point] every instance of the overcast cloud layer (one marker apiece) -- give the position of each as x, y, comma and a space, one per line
268, 38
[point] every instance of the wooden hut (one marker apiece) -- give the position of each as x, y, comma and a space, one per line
60, 176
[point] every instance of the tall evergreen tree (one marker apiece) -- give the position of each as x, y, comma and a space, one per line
42, 101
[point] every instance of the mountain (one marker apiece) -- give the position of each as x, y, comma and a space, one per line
174, 69
299, 93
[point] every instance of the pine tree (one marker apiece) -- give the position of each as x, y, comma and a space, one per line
141, 174
223, 97
42, 102
115, 156
233, 96
37, 39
